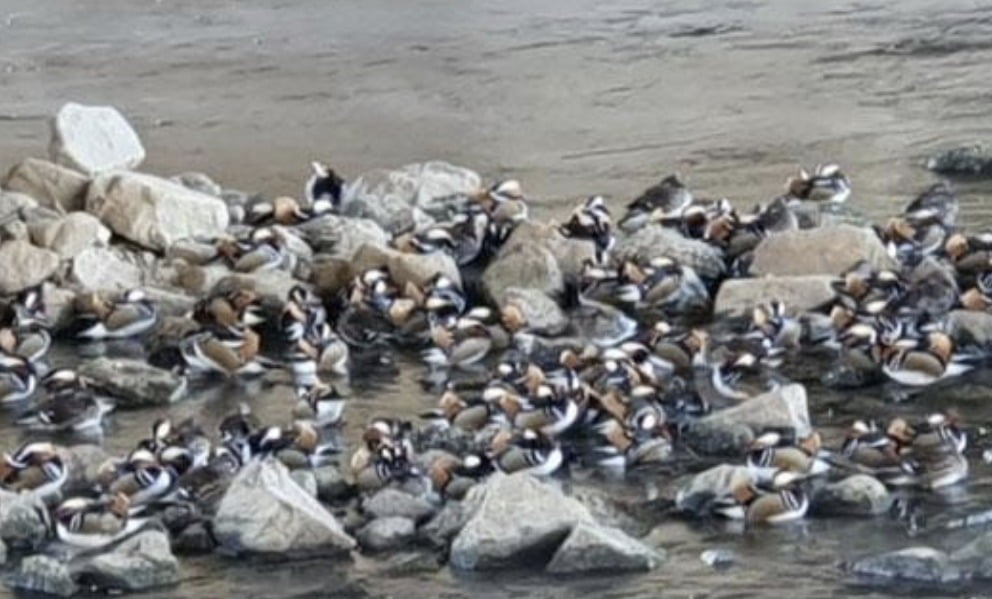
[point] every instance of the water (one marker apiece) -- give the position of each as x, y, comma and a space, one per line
571, 97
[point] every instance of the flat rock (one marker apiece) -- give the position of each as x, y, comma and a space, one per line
386, 533
820, 251
23, 265
441, 185
698, 492
342, 236
856, 495
110, 269
134, 384
141, 562
971, 160
21, 525
265, 511
94, 139
654, 241
525, 266
406, 268
154, 212
729, 431
918, 564
71, 234
51, 185
393, 502
595, 548
798, 293
520, 520
42, 574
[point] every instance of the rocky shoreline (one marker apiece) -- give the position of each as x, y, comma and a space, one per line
658, 341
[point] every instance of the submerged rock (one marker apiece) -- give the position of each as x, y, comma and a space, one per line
654, 241
393, 502
23, 265
591, 547
918, 564
820, 251
265, 511
71, 234
798, 293
856, 495
43, 574
52, 185
195, 539
154, 212
21, 523
386, 533
967, 160
94, 139
729, 431
141, 562
134, 384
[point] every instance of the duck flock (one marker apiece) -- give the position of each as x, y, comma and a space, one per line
640, 362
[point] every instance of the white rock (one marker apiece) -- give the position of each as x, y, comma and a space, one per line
94, 139
820, 251
106, 269
12, 202
798, 293
23, 265
154, 212
71, 234
52, 185
595, 548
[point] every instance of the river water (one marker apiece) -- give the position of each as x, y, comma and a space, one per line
573, 97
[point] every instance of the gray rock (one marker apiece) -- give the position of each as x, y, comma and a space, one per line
406, 268
520, 520
21, 523
111, 269
170, 302
272, 286
83, 463
331, 484
441, 185
94, 139
53, 186
411, 563
198, 182
594, 548
265, 511
696, 494
306, 480
195, 539
967, 160
141, 562
15, 230
43, 574
154, 212
570, 254
15, 205
71, 234
447, 523
969, 327
976, 556
58, 304
729, 431
820, 251
525, 266
3, 553
718, 558
799, 293
294, 243
653, 241
134, 384
23, 265
191, 251
388, 532
919, 564
331, 275
856, 495
341, 236
392, 502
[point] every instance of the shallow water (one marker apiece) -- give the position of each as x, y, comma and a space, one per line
573, 98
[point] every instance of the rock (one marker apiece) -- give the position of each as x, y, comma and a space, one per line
14, 205
58, 304
23, 265
331, 275
389, 532
392, 502
443, 527
70, 235
718, 558
15, 230
331, 484
969, 327
306, 480
976, 556
341, 236
83, 463
406, 268
195, 539
919, 564
856, 495
591, 548
933, 288
3, 553
134, 384
106, 269
525, 266
294, 243
272, 286
410, 563
265, 511
967, 160
191, 251
520, 520
53, 186
141, 562
198, 182
571, 254
443, 185
154, 212
695, 495
43, 574
729, 431
655, 240
94, 139
820, 251
169, 302
799, 293
21, 524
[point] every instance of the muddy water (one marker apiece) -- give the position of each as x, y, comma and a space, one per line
572, 97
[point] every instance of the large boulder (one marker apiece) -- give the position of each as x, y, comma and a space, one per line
595, 548
524, 266
21, 524
915, 564
265, 511
729, 431
23, 265
341, 236
856, 495
799, 293
406, 268
820, 251
94, 139
386, 533
140, 562
655, 240
134, 384
43, 574
52, 185
393, 502
542, 314
571, 254
71, 234
154, 212
520, 520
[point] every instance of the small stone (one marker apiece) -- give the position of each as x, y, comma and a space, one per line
94, 139
856, 495
543, 315
799, 294
134, 384
443, 527
595, 548
820, 251
15, 230
70, 235
973, 160
969, 327
14, 204
143, 561
392, 502
52, 185
331, 484
23, 265
390, 532
43, 574
571, 254
718, 558
111, 269
272, 286
410, 563
170, 302
919, 564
